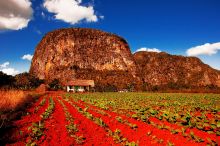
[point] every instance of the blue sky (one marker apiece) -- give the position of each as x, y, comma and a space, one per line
172, 26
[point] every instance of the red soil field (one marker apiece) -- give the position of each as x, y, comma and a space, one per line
74, 122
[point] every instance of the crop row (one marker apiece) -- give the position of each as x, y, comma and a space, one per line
42, 102
121, 119
115, 134
145, 135
37, 128
189, 110
189, 134
20, 132
71, 127
139, 129
93, 134
202, 119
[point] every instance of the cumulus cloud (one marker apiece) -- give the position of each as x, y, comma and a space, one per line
206, 49
148, 50
10, 71
15, 14
70, 11
4, 65
27, 57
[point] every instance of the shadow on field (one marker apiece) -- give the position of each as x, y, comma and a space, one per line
13, 105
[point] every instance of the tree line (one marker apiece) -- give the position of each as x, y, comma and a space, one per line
23, 81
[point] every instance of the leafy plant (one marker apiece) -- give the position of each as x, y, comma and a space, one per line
49, 110
131, 143
36, 130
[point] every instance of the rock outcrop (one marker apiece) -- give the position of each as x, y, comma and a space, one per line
78, 53
162, 69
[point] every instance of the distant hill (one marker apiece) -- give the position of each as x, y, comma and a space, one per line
80, 53
172, 70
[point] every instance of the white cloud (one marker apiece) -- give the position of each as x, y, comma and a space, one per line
101, 17
10, 71
4, 65
27, 57
148, 50
70, 11
206, 49
15, 14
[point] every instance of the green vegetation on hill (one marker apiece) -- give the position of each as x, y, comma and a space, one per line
23, 81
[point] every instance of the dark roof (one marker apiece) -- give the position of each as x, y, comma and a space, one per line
80, 83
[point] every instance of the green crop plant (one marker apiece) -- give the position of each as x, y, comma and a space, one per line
100, 122
119, 119
133, 126
160, 141
49, 110
20, 132
36, 130
135, 116
144, 118
211, 142
173, 131
71, 128
131, 143
117, 136
31, 143
170, 143
80, 139
183, 109
42, 102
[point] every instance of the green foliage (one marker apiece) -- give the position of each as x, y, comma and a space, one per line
55, 85
79, 139
119, 119
131, 144
135, 116
187, 110
36, 130
131, 87
170, 143
71, 128
117, 137
42, 102
26, 81
49, 110
31, 143
6, 81
23, 81
100, 122
110, 88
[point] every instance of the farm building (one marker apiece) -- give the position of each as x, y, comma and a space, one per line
79, 85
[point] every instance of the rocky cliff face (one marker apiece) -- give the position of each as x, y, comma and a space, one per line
78, 53
163, 68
